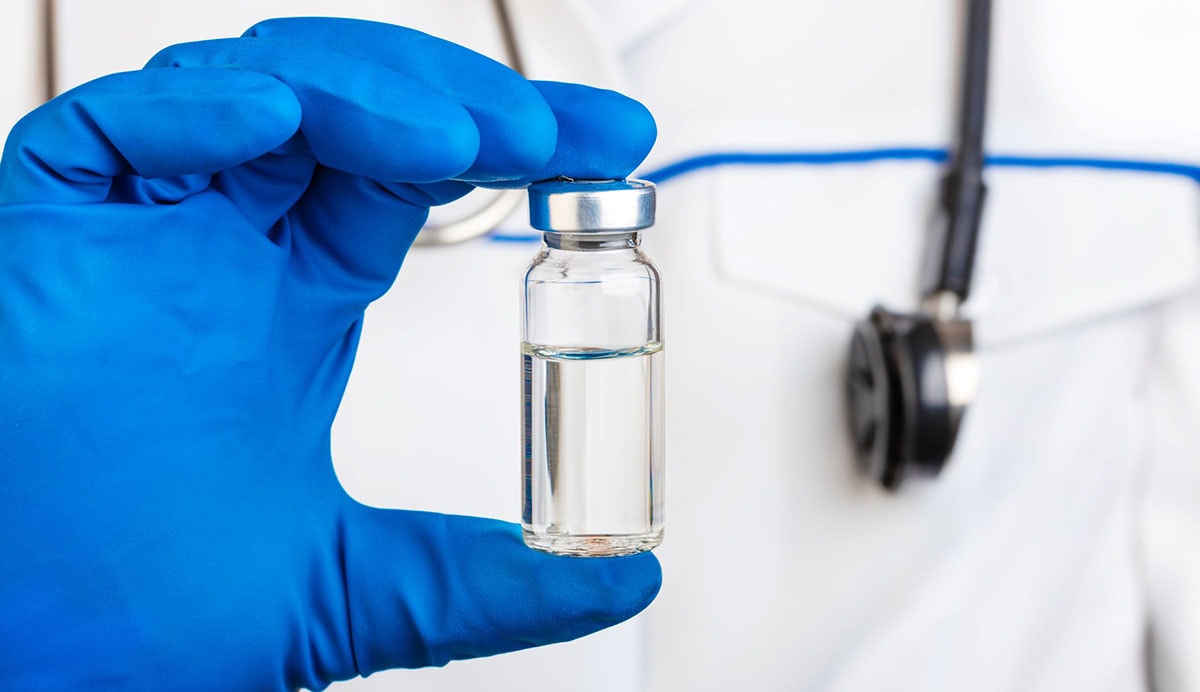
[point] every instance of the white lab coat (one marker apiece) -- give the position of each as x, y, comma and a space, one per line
1057, 550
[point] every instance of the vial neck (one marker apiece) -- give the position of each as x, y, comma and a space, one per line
586, 242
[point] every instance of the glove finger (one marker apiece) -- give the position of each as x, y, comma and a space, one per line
341, 258
357, 116
153, 124
423, 589
267, 187
347, 240
516, 128
601, 134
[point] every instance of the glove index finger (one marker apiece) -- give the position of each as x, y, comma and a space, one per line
358, 116
516, 126
151, 123
602, 134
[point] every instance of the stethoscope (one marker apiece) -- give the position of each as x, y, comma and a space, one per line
910, 376
503, 202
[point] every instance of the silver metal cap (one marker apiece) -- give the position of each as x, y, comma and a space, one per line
591, 206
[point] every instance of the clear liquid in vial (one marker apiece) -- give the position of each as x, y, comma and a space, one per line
593, 457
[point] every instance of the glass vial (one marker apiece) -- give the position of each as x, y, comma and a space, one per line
592, 372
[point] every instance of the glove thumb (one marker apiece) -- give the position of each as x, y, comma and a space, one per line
424, 589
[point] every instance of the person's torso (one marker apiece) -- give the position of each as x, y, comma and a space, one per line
784, 569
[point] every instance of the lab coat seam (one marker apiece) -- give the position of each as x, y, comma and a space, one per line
1152, 302
1137, 298
1156, 492
716, 159
1140, 484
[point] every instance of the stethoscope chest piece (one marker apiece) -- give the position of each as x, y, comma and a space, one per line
909, 379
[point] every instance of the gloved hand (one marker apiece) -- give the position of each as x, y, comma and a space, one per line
186, 252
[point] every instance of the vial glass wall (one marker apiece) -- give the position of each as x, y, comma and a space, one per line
592, 386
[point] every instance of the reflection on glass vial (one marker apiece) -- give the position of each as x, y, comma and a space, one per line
592, 373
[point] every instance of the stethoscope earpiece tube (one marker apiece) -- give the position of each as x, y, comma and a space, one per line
962, 193
956, 233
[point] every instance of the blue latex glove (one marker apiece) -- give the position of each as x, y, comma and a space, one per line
185, 255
